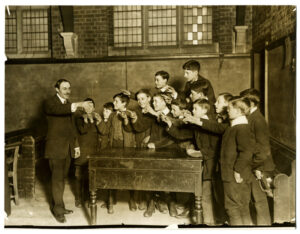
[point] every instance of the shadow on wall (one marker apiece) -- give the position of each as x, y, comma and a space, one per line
38, 122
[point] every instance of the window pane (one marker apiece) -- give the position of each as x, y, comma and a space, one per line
162, 25
127, 32
197, 23
11, 31
35, 30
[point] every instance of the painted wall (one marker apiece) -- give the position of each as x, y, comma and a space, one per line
27, 86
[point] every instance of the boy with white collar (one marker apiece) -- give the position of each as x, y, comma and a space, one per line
236, 161
206, 142
263, 164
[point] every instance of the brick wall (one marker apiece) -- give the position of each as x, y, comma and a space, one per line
271, 23
91, 24
58, 50
26, 168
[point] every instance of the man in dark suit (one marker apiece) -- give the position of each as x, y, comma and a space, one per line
61, 142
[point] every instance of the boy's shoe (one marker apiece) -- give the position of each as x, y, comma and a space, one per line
104, 205
132, 205
161, 206
172, 209
110, 209
78, 203
142, 205
184, 214
150, 209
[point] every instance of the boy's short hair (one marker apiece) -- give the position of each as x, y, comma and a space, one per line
57, 84
124, 97
200, 86
145, 91
203, 103
109, 105
164, 96
180, 103
89, 100
252, 94
165, 75
192, 65
242, 103
227, 96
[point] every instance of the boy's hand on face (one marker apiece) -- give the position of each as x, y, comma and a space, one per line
151, 145
237, 177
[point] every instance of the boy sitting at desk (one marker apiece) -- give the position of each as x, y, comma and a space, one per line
206, 142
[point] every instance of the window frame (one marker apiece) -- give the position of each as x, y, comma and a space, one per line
20, 53
179, 48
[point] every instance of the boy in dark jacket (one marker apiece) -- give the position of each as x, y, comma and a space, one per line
263, 165
207, 143
88, 130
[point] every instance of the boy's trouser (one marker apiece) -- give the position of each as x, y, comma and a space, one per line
237, 199
80, 185
260, 203
207, 202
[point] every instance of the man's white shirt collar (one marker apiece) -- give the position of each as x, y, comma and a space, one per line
63, 101
252, 110
239, 120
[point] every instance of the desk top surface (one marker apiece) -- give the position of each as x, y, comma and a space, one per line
165, 153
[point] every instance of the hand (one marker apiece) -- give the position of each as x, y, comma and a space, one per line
131, 114
126, 92
149, 109
77, 152
97, 117
122, 114
258, 174
166, 119
88, 106
237, 177
151, 145
146, 140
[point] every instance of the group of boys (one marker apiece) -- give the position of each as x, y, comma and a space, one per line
230, 134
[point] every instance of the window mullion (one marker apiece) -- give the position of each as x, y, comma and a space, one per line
179, 25
19, 31
145, 26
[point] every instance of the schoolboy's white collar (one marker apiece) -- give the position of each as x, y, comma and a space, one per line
204, 117
163, 89
253, 109
63, 100
165, 111
239, 120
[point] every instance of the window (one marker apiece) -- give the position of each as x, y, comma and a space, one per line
161, 26
27, 32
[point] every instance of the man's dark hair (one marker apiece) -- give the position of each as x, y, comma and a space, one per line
252, 94
57, 84
192, 65
109, 105
89, 100
165, 75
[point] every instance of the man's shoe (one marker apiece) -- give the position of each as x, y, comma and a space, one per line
132, 205
59, 217
68, 211
78, 203
161, 206
172, 209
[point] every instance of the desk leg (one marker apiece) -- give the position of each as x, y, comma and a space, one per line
198, 209
93, 206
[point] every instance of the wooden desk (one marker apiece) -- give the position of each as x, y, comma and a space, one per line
169, 170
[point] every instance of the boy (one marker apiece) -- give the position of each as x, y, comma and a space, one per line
88, 128
120, 136
104, 126
207, 144
191, 73
263, 164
